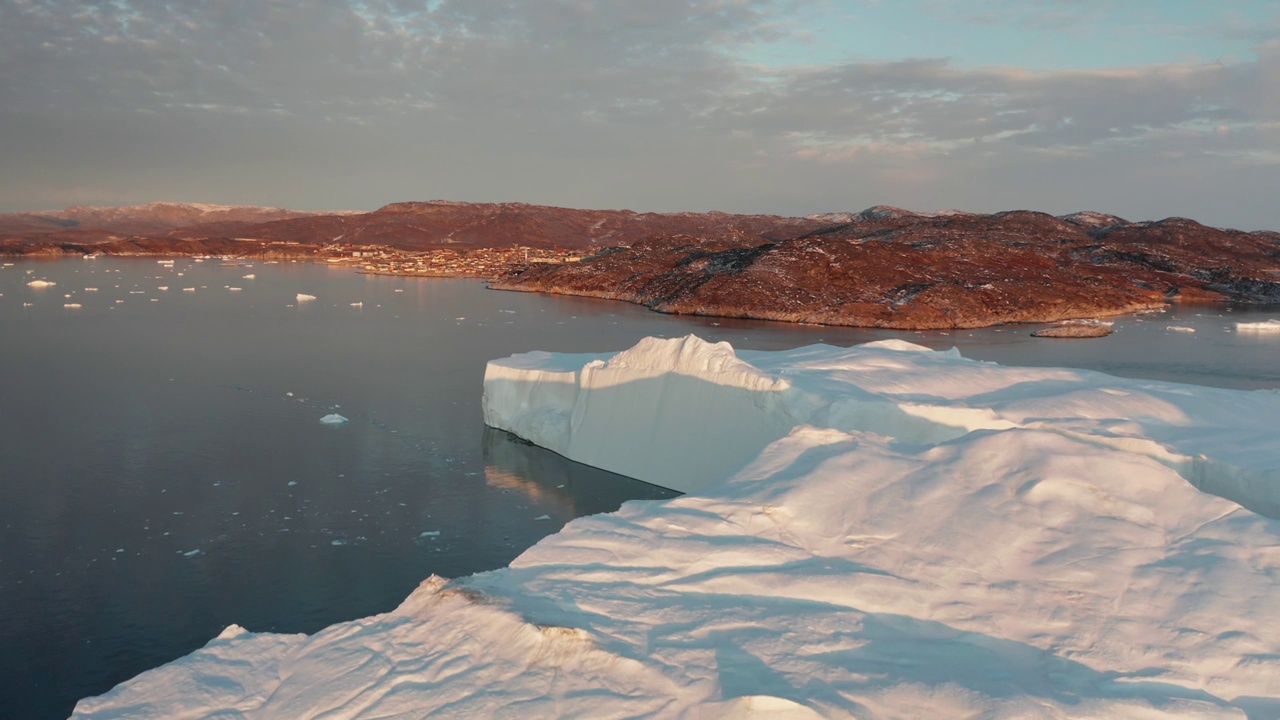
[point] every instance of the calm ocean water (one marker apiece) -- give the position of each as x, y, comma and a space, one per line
163, 470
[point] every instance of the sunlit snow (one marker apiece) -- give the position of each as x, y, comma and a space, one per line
1267, 326
876, 532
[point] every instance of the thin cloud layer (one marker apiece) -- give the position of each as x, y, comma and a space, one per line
654, 106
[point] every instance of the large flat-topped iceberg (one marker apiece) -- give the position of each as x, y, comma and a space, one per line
682, 412
929, 537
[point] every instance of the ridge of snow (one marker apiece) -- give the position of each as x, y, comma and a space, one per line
929, 536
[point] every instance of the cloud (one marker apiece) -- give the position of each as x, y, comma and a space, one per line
649, 105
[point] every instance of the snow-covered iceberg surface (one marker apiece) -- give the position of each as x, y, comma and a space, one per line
683, 413
1266, 326
1006, 543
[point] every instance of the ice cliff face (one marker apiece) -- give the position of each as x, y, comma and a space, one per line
683, 413
615, 413
893, 533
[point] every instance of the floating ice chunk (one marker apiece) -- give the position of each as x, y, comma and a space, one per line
399, 289
1268, 326
41, 283
191, 553
73, 306
250, 276
188, 289
234, 289
430, 533
333, 419
543, 517
293, 482
359, 303
303, 297
1181, 328
338, 543
164, 262
91, 289
163, 287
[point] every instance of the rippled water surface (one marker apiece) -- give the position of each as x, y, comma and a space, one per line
164, 471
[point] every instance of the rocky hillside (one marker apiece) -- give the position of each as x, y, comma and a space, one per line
440, 223
886, 267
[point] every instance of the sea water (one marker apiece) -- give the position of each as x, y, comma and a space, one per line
165, 471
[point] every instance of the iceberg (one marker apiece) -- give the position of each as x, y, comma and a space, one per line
303, 297
333, 419
894, 532
1266, 326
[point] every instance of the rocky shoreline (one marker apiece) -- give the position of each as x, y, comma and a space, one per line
881, 267
899, 270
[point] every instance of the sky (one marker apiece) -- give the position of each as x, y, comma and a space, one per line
1142, 108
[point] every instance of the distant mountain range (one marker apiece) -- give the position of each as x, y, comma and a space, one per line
883, 266
156, 218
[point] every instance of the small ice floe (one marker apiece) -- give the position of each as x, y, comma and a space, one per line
1268, 326
41, 283
91, 289
399, 289
543, 517
27, 304
358, 303
1181, 328
73, 306
429, 533
1076, 329
233, 289
250, 276
165, 262
338, 543
155, 299
137, 292
191, 553
188, 289
293, 483
119, 302
162, 287
333, 419
303, 297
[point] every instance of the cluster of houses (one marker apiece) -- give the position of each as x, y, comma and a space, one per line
448, 262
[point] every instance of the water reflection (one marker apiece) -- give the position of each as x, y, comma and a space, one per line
544, 476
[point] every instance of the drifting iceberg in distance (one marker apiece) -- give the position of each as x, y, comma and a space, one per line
1267, 326
333, 419
303, 297
928, 536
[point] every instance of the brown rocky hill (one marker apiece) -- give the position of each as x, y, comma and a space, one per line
152, 219
890, 268
440, 223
